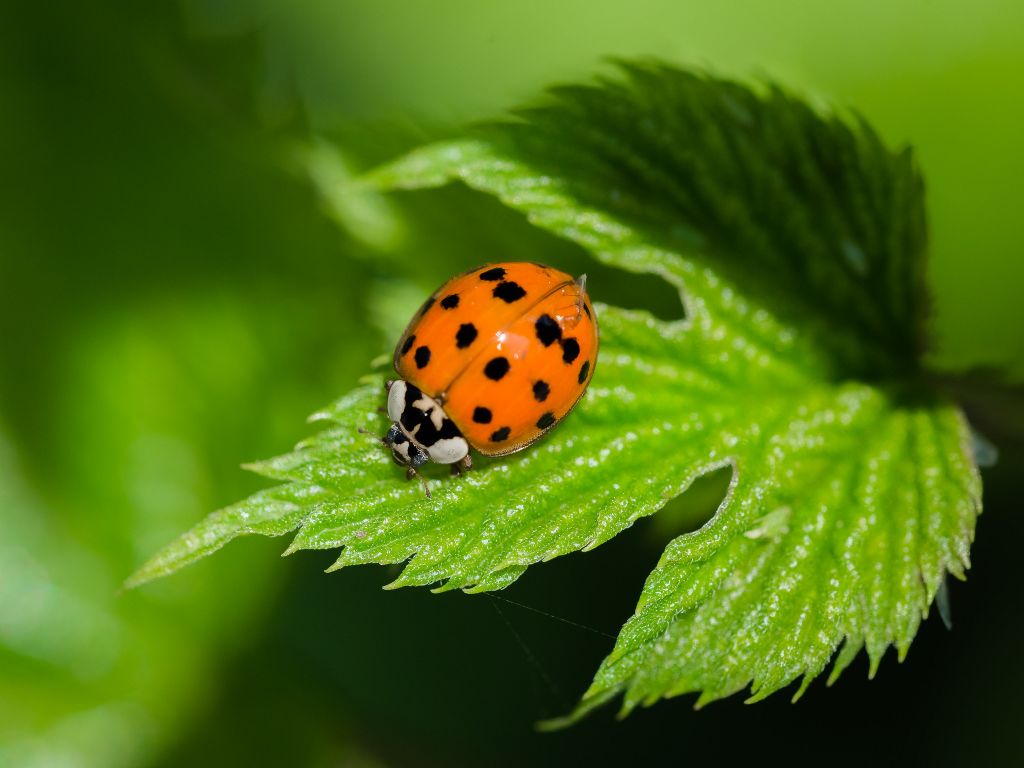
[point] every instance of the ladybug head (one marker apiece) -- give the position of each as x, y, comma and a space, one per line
403, 450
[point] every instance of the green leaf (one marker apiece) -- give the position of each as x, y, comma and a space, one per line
797, 242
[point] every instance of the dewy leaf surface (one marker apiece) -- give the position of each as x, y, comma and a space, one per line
797, 241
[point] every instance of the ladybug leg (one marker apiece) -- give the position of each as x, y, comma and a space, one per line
410, 473
463, 465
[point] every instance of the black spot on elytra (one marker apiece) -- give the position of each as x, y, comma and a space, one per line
450, 302
546, 420
548, 331
408, 344
584, 370
496, 368
570, 350
497, 273
465, 335
422, 356
482, 415
541, 390
509, 292
586, 309
500, 435
426, 305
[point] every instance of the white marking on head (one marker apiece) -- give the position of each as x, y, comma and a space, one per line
427, 404
448, 451
402, 449
396, 401
437, 416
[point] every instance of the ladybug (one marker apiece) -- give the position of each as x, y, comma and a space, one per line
493, 360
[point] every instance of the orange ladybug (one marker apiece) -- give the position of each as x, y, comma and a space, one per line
493, 360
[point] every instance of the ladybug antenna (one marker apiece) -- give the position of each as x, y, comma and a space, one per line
376, 438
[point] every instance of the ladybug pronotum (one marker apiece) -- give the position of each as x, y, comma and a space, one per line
493, 360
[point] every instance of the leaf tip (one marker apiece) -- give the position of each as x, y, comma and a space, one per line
804, 685
151, 570
391, 585
875, 662
704, 699
593, 699
553, 724
137, 579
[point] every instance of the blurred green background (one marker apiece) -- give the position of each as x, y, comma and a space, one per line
182, 281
